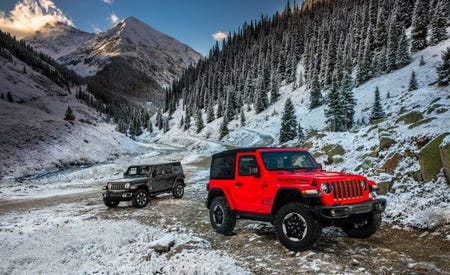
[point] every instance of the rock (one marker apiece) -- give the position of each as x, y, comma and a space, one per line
384, 187
444, 149
392, 163
430, 159
410, 117
385, 143
163, 245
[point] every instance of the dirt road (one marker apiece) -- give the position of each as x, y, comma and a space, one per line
254, 244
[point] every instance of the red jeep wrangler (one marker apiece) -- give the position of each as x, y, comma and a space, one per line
288, 188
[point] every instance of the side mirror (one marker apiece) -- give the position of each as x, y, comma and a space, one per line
254, 171
319, 166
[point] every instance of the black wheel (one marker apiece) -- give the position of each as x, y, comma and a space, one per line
140, 198
296, 227
363, 228
178, 190
110, 203
221, 217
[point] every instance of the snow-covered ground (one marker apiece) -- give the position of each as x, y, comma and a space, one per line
71, 239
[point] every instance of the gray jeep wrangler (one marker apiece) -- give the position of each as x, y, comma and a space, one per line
141, 182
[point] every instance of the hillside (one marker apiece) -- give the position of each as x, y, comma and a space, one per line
412, 120
34, 136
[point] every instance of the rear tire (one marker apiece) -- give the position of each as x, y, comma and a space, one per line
178, 190
140, 198
110, 203
221, 217
364, 228
296, 227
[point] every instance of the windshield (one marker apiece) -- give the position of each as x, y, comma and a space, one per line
288, 160
138, 171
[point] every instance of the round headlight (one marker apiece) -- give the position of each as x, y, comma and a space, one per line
326, 188
127, 185
109, 186
364, 185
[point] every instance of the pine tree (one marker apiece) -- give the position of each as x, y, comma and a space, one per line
159, 120
419, 26
403, 56
69, 116
288, 130
150, 126
348, 101
392, 44
274, 89
334, 113
9, 97
316, 94
242, 118
121, 127
262, 100
223, 131
412, 82
165, 124
219, 108
301, 135
439, 22
230, 105
210, 113
377, 109
187, 121
444, 69
421, 61
199, 121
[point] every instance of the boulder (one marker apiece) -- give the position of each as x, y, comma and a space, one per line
444, 149
385, 143
410, 117
384, 187
391, 163
430, 158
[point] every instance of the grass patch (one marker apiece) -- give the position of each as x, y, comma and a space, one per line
421, 122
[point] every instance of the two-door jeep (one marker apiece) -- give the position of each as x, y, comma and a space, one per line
288, 188
141, 182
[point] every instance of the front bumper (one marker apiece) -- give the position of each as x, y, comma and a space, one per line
347, 211
118, 196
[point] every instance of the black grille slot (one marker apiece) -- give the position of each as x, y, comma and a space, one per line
346, 189
117, 186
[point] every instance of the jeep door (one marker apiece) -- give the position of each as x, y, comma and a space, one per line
157, 179
248, 186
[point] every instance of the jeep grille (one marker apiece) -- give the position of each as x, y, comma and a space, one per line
117, 186
347, 189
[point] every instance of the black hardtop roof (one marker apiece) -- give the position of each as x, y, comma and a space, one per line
240, 150
156, 164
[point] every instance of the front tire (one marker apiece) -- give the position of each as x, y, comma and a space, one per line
178, 190
221, 217
140, 198
110, 203
364, 228
296, 227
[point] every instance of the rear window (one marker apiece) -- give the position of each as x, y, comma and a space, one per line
222, 168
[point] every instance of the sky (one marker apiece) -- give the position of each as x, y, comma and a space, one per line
197, 23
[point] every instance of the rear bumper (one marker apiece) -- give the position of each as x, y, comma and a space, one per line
347, 211
118, 196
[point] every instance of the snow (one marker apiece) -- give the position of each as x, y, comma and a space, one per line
76, 241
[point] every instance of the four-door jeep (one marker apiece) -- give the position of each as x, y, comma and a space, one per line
288, 188
141, 182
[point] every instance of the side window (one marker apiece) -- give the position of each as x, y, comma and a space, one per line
222, 168
246, 163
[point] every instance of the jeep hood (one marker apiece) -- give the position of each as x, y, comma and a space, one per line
130, 180
323, 175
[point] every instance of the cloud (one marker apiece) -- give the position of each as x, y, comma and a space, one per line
220, 35
28, 16
109, 2
113, 18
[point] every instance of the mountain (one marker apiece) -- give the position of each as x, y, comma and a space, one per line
148, 50
127, 67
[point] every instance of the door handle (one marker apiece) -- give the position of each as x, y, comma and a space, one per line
238, 184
